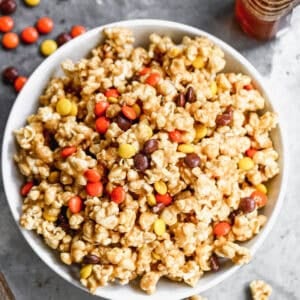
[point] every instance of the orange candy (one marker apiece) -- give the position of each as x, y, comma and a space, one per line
10, 40
29, 35
77, 30
260, 198
94, 189
75, 204
111, 93
26, 188
222, 228
6, 24
165, 199
19, 83
251, 152
153, 79
129, 112
68, 151
248, 87
92, 175
175, 136
118, 195
102, 124
44, 25
100, 108
144, 71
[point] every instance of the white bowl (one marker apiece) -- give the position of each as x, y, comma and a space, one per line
26, 104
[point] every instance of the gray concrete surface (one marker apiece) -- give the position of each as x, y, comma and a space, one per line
277, 261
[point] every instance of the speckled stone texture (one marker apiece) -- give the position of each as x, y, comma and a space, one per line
277, 261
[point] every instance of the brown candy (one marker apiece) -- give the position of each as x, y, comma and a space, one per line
141, 162
91, 259
190, 95
7, 7
10, 74
247, 205
123, 122
225, 118
180, 100
192, 160
150, 146
214, 263
63, 38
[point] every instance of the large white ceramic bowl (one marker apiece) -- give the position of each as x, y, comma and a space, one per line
27, 103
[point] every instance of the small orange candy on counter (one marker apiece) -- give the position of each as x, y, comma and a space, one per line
77, 30
129, 112
19, 83
44, 25
29, 35
6, 24
153, 79
10, 40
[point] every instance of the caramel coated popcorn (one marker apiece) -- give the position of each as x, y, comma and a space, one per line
145, 162
260, 290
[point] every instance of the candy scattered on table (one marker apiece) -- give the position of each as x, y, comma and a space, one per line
10, 40
77, 30
10, 74
6, 23
63, 38
29, 35
44, 25
8, 7
19, 83
48, 47
32, 2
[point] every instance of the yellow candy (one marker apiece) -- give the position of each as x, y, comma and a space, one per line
53, 177
159, 226
48, 217
64, 106
137, 109
86, 271
186, 148
126, 151
32, 2
213, 88
246, 164
151, 200
155, 256
48, 47
262, 188
198, 63
112, 100
160, 187
74, 110
201, 132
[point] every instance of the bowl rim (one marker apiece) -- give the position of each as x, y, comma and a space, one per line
174, 26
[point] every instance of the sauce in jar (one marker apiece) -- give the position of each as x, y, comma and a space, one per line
263, 19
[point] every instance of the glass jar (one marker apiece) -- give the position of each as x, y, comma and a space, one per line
264, 19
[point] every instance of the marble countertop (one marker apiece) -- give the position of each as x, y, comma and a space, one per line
277, 261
